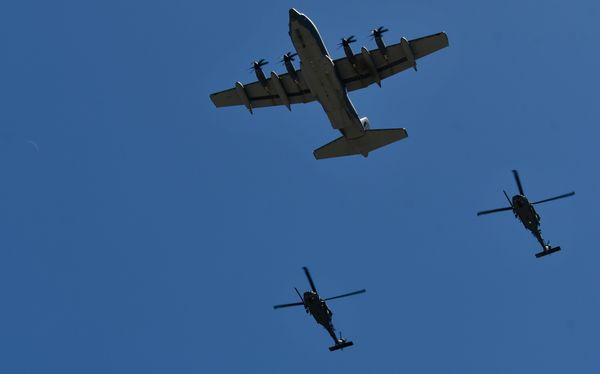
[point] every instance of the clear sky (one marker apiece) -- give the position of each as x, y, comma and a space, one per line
142, 230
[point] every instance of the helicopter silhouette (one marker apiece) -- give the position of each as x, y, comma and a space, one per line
318, 308
525, 212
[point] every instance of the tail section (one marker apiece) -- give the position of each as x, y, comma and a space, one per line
547, 250
341, 344
370, 141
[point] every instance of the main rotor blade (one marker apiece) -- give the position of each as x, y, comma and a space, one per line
508, 198
312, 284
555, 198
287, 305
347, 294
299, 295
518, 180
493, 211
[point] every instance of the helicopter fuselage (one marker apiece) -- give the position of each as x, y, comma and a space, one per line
526, 213
318, 308
524, 210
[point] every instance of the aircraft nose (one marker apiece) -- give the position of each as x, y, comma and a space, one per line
294, 13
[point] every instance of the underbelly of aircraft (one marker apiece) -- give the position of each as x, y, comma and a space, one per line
324, 84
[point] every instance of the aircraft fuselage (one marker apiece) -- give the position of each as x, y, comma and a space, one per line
526, 213
320, 75
320, 312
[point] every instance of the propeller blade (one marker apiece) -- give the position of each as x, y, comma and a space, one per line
555, 198
518, 180
347, 294
301, 298
286, 305
494, 211
288, 57
508, 198
351, 39
312, 284
378, 31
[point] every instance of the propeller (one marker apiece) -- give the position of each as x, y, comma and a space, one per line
347, 41
376, 33
258, 64
346, 294
312, 284
288, 57
518, 180
555, 198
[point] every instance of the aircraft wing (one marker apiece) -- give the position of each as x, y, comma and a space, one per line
400, 56
278, 90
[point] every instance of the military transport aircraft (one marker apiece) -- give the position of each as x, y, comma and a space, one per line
317, 307
328, 81
524, 211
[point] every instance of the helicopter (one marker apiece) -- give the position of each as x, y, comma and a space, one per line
524, 211
318, 308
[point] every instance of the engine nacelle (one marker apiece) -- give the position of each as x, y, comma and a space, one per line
365, 123
260, 75
291, 70
380, 43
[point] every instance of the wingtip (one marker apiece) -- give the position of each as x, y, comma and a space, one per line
212, 98
445, 38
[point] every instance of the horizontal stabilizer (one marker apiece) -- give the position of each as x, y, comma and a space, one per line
547, 252
341, 345
370, 141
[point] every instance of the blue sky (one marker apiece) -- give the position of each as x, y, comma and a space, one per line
143, 230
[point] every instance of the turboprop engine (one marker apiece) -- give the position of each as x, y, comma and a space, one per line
377, 34
345, 43
257, 67
287, 60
